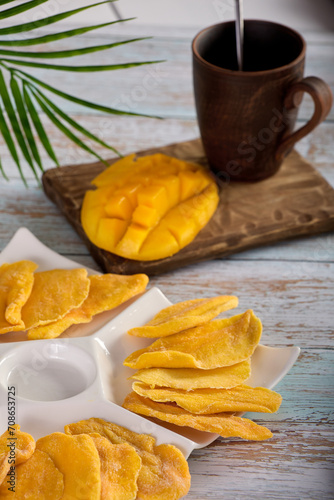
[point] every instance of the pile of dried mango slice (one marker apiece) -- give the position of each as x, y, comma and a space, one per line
195, 374
46, 303
94, 459
150, 207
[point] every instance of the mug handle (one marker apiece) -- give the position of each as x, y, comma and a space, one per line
323, 100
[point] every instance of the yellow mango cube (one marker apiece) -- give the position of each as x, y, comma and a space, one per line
132, 240
154, 197
119, 207
109, 232
172, 185
145, 216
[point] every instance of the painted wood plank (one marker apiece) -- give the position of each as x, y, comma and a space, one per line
297, 463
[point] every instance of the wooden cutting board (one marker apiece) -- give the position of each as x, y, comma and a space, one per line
295, 202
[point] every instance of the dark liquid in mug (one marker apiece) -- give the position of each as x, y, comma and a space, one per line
265, 47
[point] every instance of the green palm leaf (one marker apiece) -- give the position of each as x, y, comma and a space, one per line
38, 126
4, 2
78, 69
14, 122
66, 53
77, 100
13, 11
3, 173
20, 28
71, 122
23, 95
10, 143
54, 37
21, 109
66, 131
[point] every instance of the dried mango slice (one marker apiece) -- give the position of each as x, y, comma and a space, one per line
224, 424
221, 342
76, 457
16, 281
120, 466
37, 478
54, 294
195, 378
206, 401
105, 292
184, 315
164, 474
150, 207
15, 447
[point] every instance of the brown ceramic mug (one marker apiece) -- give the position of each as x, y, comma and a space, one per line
246, 118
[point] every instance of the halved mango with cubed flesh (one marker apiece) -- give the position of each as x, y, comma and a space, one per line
150, 207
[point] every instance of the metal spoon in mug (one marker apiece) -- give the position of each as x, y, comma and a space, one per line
239, 31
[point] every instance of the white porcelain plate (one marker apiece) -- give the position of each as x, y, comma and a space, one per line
81, 374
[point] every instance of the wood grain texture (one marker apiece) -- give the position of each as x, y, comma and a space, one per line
296, 464
289, 284
297, 201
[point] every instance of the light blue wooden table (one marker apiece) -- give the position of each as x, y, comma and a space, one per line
289, 285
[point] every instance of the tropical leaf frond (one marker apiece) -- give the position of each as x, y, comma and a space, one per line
5, 132
65, 129
40, 23
39, 126
4, 2
77, 69
23, 97
14, 11
22, 112
54, 37
73, 123
4, 94
78, 100
59, 54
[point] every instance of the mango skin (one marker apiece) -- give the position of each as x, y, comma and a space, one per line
148, 208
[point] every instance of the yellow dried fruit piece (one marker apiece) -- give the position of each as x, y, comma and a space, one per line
221, 342
164, 474
206, 401
224, 424
195, 378
105, 292
184, 315
16, 282
37, 478
54, 294
120, 466
76, 457
150, 207
15, 447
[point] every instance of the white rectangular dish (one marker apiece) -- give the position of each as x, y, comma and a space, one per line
81, 374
